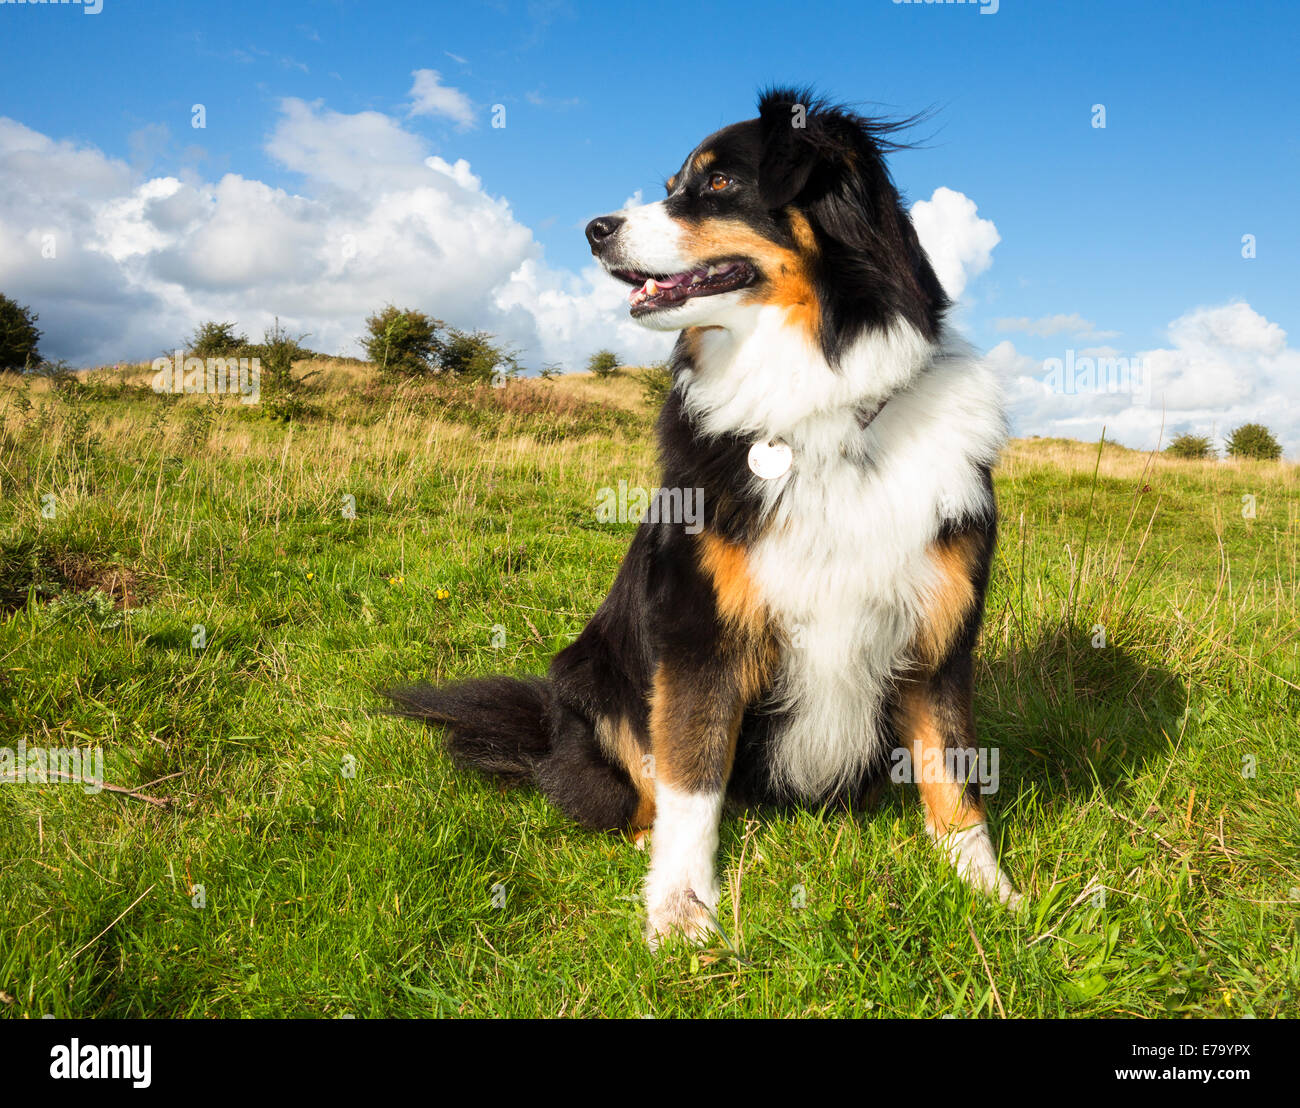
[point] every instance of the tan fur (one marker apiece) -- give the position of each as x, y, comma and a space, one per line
695, 717
620, 743
703, 160
690, 725
727, 567
692, 337
803, 233
788, 272
947, 805
952, 599
751, 643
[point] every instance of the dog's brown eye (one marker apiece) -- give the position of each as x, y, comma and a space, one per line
719, 181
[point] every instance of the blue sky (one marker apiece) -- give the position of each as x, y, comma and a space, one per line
1127, 228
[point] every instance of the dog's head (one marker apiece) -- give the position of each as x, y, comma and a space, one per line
794, 210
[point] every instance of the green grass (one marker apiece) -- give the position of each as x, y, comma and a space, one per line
346, 867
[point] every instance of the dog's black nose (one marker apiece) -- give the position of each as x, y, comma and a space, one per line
600, 229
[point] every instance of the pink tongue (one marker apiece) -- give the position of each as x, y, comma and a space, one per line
666, 282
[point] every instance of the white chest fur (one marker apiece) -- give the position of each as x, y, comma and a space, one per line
843, 565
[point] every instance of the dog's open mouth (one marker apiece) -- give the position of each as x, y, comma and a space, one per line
652, 292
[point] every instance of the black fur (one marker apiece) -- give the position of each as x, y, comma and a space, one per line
872, 267
519, 729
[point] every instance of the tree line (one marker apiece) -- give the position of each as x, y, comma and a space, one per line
404, 342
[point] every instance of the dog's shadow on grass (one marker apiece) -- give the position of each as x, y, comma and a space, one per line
1068, 711
1061, 715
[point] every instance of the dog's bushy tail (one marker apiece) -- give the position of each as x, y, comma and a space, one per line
499, 725
519, 730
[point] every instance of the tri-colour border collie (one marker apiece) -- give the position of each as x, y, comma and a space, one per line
823, 616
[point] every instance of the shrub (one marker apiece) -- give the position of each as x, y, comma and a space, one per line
59, 373
403, 341
603, 363
1254, 440
281, 392
477, 357
656, 383
216, 340
1190, 447
18, 335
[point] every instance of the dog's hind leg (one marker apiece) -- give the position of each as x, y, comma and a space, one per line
521, 729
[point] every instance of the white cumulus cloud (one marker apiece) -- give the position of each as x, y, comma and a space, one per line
429, 96
376, 218
1046, 326
959, 242
1223, 366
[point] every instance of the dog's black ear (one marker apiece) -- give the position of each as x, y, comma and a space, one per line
789, 152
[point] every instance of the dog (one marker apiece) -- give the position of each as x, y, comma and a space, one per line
813, 634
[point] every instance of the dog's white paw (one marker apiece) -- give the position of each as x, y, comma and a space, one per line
680, 914
971, 853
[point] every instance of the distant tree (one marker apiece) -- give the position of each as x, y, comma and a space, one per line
477, 356
400, 340
603, 363
1190, 447
215, 340
1254, 440
18, 336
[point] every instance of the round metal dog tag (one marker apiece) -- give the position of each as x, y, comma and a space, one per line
770, 459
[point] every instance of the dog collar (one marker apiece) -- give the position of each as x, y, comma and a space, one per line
865, 417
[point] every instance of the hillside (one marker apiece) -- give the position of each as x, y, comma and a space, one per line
212, 597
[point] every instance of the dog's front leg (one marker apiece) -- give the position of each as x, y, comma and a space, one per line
695, 716
939, 730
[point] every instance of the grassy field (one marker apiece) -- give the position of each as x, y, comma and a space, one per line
183, 586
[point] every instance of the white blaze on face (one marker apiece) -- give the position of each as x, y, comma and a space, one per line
650, 241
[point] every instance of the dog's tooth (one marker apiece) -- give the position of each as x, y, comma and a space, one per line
650, 286
712, 271
695, 278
